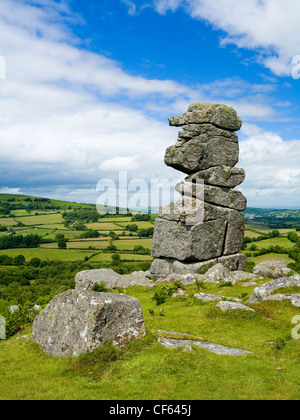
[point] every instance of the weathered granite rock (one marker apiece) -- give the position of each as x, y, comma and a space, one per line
232, 306
217, 114
76, 322
249, 284
263, 291
237, 262
234, 234
137, 278
161, 267
232, 262
205, 297
219, 196
201, 153
203, 241
216, 273
238, 276
294, 299
204, 225
208, 130
220, 176
272, 269
85, 280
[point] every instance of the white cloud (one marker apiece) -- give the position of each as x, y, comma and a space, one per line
7, 190
272, 169
269, 27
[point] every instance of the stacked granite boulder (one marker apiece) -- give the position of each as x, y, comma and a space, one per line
207, 150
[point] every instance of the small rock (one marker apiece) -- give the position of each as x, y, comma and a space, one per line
230, 306
261, 292
13, 309
272, 269
85, 280
216, 273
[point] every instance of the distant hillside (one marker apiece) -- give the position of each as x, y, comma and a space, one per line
273, 217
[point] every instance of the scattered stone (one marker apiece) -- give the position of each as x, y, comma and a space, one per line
213, 348
238, 276
249, 284
76, 322
293, 298
216, 273
168, 332
137, 278
231, 306
13, 309
272, 269
211, 298
204, 297
262, 292
85, 280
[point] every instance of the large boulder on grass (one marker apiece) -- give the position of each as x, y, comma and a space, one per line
76, 322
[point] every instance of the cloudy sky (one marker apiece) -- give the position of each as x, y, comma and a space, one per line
89, 86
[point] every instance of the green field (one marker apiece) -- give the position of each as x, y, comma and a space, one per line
48, 254
7, 221
49, 220
282, 242
270, 257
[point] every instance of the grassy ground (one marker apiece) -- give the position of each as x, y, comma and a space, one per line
147, 370
282, 242
270, 257
51, 254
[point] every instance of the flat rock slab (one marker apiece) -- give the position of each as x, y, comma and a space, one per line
261, 292
76, 322
293, 298
233, 306
220, 176
210, 298
213, 348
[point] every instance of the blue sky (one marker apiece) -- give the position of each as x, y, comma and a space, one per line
90, 84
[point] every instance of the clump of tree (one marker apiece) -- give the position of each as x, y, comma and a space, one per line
90, 233
146, 233
20, 241
83, 215
132, 227
141, 217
